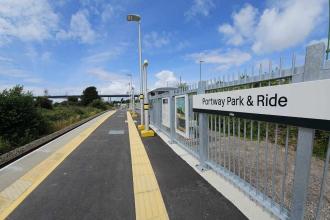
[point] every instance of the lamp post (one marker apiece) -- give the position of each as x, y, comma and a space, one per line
130, 95
133, 99
131, 91
146, 99
146, 132
137, 18
200, 70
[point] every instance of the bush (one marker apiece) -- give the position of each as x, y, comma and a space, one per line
44, 102
72, 100
23, 120
98, 103
20, 122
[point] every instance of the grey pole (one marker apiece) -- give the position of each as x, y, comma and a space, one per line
172, 116
200, 70
146, 100
141, 76
137, 18
203, 131
313, 64
131, 91
133, 99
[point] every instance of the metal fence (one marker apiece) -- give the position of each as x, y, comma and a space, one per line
277, 165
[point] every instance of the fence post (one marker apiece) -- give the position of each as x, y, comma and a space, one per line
313, 64
172, 116
203, 131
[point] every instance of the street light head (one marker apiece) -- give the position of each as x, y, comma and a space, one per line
145, 63
133, 17
201, 61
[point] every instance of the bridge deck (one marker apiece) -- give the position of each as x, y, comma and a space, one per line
87, 174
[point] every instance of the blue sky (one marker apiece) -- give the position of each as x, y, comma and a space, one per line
67, 45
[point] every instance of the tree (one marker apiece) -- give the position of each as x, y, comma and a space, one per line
98, 103
20, 121
89, 94
72, 100
44, 102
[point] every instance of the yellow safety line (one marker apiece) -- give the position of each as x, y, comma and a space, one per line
149, 202
14, 194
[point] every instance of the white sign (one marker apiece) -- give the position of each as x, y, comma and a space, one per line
165, 112
181, 115
309, 100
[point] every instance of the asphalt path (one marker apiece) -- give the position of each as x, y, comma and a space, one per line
186, 194
93, 182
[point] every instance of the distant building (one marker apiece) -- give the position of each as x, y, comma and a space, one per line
161, 90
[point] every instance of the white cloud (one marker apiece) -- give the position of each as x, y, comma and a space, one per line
13, 72
106, 55
165, 78
5, 59
283, 24
243, 26
80, 28
156, 40
323, 40
100, 57
106, 75
115, 87
113, 83
199, 8
27, 20
223, 59
33, 80
281, 28
18, 74
107, 13
182, 45
45, 56
102, 9
37, 56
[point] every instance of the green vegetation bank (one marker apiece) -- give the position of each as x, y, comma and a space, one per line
24, 118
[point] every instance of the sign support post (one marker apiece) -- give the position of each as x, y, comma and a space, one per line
313, 63
203, 131
172, 116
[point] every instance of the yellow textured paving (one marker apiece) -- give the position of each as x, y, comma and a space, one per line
149, 202
14, 194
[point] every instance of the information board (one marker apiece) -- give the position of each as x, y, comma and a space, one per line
305, 104
181, 115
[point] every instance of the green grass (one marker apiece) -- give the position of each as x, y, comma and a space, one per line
62, 116
55, 119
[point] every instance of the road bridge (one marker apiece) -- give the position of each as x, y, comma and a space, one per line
78, 96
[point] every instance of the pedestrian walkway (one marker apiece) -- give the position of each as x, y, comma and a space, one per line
107, 172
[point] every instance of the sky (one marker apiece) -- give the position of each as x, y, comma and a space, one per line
66, 45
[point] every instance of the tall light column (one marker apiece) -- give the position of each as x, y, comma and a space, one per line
146, 99
133, 99
131, 91
137, 18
